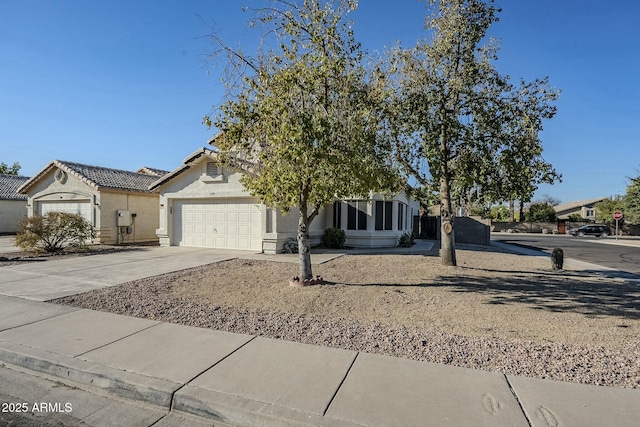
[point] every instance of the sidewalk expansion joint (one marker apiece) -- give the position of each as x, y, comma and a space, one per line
36, 321
115, 341
340, 385
171, 402
515, 395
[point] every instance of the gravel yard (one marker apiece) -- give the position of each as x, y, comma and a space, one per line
495, 311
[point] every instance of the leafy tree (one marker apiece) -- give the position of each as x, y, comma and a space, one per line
453, 114
631, 205
606, 208
575, 217
53, 231
499, 213
541, 212
302, 120
5, 169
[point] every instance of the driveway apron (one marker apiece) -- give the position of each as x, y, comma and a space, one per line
46, 280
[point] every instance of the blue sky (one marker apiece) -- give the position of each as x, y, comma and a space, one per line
125, 84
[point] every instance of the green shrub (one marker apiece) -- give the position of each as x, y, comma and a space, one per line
406, 240
290, 247
54, 231
334, 238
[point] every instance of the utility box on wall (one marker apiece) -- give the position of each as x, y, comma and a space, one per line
125, 219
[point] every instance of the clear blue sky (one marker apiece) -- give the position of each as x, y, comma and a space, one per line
124, 84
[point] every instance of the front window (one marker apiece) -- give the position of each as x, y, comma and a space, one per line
384, 215
337, 214
357, 215
402, 225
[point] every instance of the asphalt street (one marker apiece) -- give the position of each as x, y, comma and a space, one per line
621, 256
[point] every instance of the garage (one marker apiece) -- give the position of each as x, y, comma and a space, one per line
82, 208
219, 223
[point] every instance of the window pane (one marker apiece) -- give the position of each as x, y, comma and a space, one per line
337, 214
351, 216
379, 214
362, 215
400, 216
388, 215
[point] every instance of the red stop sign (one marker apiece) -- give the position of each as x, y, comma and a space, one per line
617, 215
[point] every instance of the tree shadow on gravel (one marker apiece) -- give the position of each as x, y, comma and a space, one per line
555, 293
589, 293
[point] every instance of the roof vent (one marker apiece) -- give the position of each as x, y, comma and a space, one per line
60, 176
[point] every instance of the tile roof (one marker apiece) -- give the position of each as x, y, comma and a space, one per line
152, 171
98, 177
9, 185
186, 164
576, 204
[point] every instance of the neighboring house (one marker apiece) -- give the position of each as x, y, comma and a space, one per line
585, 208
13, 205
205, 205
117, 203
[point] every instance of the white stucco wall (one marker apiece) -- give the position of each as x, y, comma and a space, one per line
11, 213
196, 185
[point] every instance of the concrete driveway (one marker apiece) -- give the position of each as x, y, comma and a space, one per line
49, 279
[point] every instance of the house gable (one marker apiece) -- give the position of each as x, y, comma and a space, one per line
99, 194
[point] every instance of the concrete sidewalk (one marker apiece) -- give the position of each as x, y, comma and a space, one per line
247, 380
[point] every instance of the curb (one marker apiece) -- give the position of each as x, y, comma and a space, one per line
238, 410
175, 398
128, 385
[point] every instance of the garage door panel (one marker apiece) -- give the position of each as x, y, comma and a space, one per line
82, 208
227, 224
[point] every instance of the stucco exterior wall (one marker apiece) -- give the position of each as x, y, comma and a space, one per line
47, 188
144, 224
194, 183
282, 228
11, 213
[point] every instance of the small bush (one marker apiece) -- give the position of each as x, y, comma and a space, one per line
406, 240
334, 238
290, 247
54, 231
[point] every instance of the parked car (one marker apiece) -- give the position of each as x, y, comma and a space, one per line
591, 230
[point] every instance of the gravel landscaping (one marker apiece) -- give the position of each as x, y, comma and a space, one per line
495, 311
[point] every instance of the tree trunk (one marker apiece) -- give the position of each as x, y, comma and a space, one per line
521, 218
512, 210
447, 233
304, 245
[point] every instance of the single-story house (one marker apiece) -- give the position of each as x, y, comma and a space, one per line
13, 205
585, 208
203, 204
117, 203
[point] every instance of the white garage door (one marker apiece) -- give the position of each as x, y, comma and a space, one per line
228, 224
74, 207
